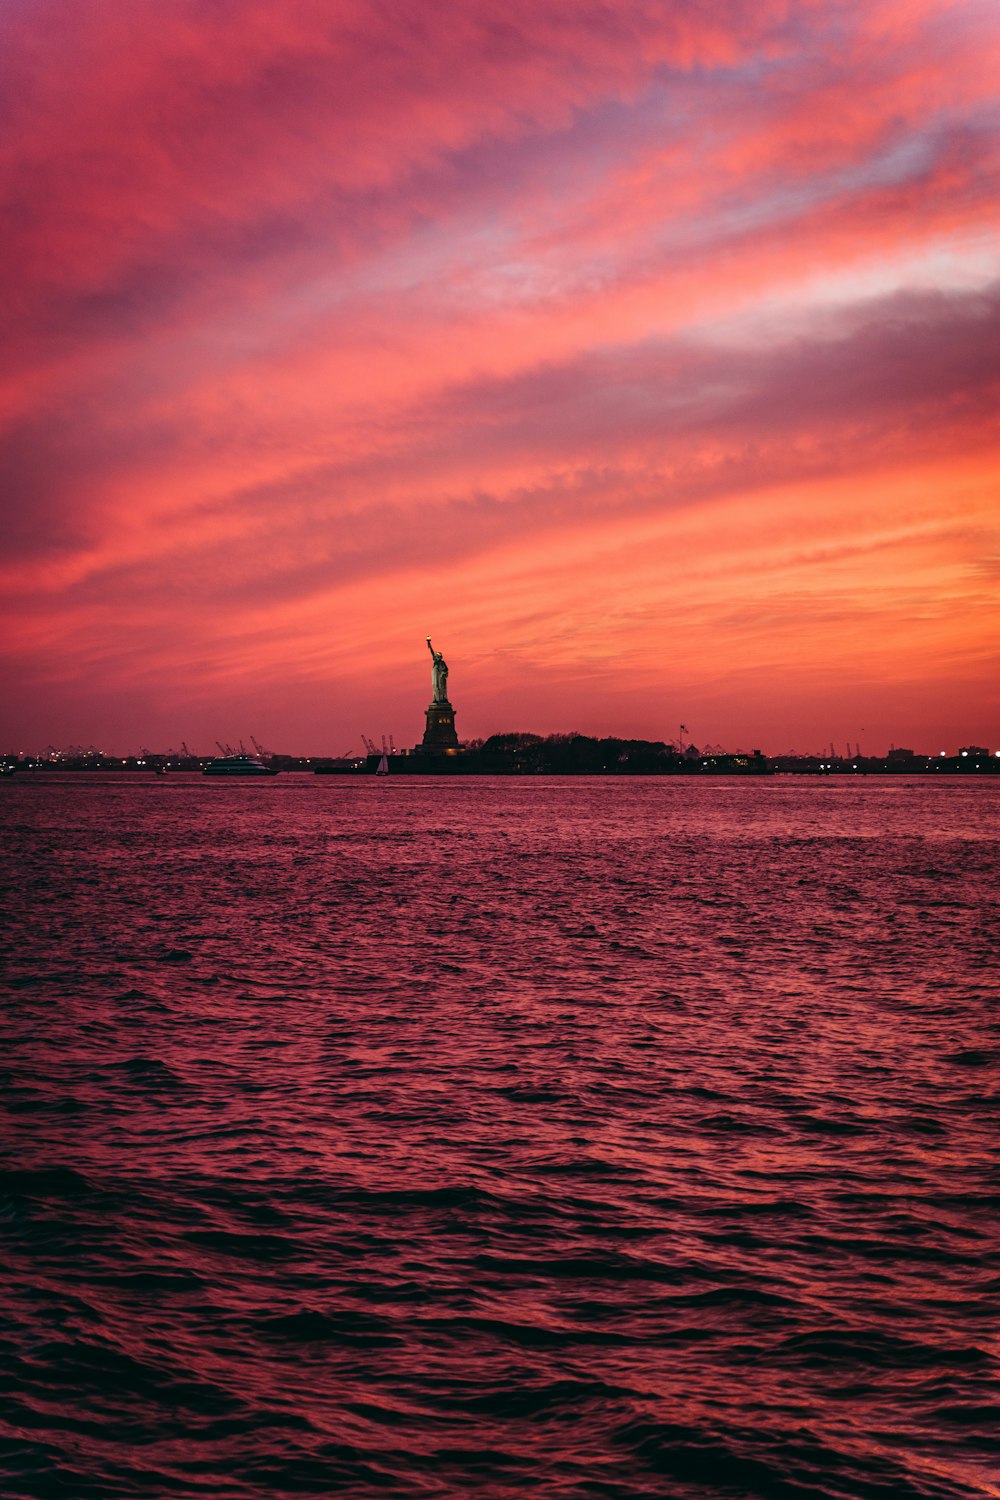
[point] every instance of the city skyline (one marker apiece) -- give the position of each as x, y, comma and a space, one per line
645, 358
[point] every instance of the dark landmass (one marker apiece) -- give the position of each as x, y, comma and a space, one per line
582, 755
523, 754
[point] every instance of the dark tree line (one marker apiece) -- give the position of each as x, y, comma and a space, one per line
582, 755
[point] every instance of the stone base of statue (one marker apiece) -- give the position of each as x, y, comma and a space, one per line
439, 736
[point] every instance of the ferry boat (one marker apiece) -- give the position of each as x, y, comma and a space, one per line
238, 765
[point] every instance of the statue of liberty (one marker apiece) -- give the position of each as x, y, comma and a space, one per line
439, 675
440, 737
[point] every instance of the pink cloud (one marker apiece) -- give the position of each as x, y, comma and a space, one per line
301, 301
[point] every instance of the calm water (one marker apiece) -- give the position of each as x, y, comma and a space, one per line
500, 1138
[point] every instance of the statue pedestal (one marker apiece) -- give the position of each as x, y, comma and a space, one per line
439, 736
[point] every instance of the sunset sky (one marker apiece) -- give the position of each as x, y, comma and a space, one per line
645, 355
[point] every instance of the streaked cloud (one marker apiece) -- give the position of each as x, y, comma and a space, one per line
644, 344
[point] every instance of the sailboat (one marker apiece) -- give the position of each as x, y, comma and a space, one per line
382, 769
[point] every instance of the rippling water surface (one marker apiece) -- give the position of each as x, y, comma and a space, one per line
504, 1137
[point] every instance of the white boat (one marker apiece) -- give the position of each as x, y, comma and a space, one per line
382, 769
238, 765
